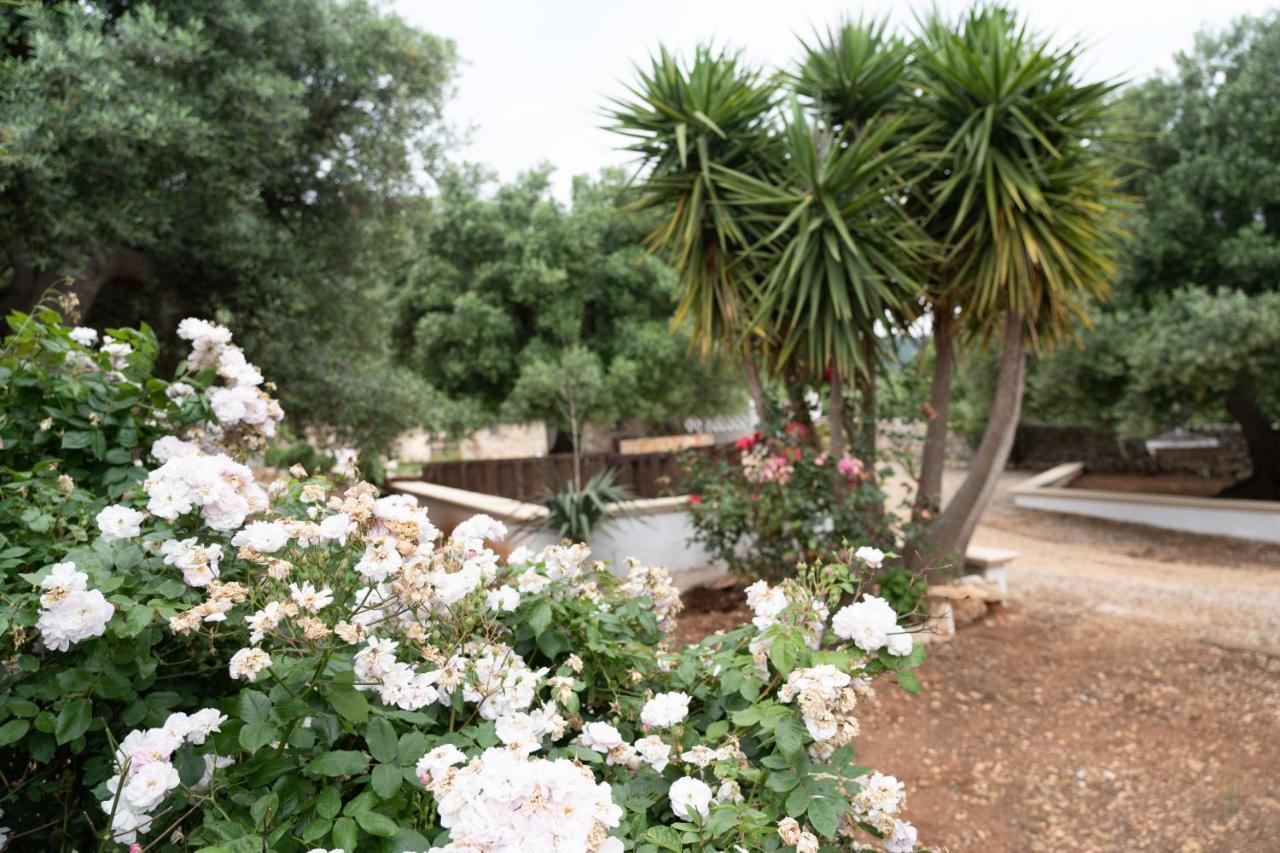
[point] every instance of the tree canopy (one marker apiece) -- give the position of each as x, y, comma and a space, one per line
225, 156
1211, 146
281, 166
1194, 334
510, 281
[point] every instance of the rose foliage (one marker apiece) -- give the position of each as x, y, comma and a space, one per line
196, 661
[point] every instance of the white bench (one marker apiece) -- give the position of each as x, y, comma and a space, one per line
989, 564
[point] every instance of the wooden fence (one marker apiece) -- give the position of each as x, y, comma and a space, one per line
645, 475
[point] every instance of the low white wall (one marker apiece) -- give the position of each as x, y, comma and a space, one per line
655, 531
1258, 520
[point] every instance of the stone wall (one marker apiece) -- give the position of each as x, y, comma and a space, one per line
1039, 447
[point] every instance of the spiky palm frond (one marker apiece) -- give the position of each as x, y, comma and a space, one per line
685, 120
1023, 198
833, 247
851, 73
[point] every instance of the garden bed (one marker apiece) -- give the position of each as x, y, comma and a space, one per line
1068, 489
1152, 484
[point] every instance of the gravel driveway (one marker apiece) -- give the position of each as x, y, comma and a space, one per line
1128, 698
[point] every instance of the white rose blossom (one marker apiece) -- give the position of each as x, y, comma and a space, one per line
689, 795
119, 522
665, 710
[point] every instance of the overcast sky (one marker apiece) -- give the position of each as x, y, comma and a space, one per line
536, 74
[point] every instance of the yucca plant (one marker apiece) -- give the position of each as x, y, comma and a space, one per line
851, 73
834, 252
1025, 204
575, 513
685, 119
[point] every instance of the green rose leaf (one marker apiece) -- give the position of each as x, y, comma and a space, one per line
345, 833
665, 837
350, 704
254, 736
340, 762
377, 824
255, 707
73, 720
824, 815
381, 738
790, 734
12, 731
386, 780
908, 680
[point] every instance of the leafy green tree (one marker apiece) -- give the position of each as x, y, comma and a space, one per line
1211, 144
1193, 336
1195, 355
225, 155
569, 390
510, 279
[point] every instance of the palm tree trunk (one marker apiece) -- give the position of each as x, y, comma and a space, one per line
867, 427
800, 414
866, 448
754, 387
835, 424
955, 526
933, 457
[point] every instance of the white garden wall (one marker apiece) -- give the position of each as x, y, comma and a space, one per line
655, 530
1259, 520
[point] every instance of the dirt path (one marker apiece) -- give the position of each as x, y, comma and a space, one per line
1110, 707
1113, 704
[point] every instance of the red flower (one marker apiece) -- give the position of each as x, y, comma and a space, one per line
795, 429
695, 499
745, 442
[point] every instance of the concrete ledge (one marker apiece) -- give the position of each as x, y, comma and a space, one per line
500, 508
1240, 519
654, 530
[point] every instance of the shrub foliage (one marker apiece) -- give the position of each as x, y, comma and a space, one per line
197, 661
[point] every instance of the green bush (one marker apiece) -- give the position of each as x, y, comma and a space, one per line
777, 502
199, 662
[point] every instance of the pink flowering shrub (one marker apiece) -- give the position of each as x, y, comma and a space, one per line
778, 502
200, 661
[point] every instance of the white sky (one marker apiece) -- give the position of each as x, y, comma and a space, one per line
536, 75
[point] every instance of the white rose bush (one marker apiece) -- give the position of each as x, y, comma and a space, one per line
197, 661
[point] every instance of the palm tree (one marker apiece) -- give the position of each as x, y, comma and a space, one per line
1026, 205
686, 121
834, 252
852, 76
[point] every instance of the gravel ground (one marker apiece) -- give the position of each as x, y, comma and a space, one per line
1127, 698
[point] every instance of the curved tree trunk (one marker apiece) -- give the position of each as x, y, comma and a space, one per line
933, 457
27, 284
754, 386
955, 526
1263, 441
865, 446
835, 424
